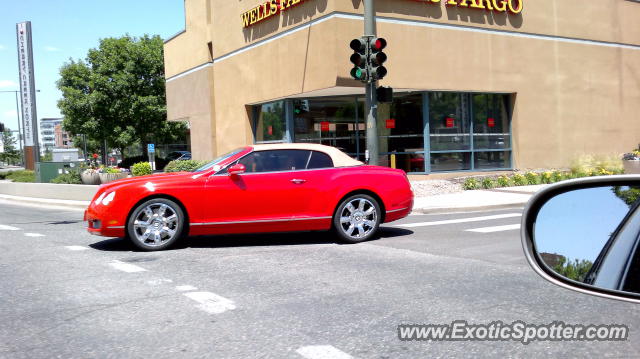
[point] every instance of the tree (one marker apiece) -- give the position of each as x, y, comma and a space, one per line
117, 94
11, 155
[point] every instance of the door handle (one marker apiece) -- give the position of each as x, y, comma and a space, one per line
298, 181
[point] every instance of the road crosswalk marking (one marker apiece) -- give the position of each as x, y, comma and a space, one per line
76, 248
211, 302
126, 267
33, 235
509, 227
459, 220
8, 228
322, 352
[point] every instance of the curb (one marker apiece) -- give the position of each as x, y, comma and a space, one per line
58, 203
443, 210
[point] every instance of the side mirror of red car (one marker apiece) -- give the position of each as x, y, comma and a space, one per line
236, 169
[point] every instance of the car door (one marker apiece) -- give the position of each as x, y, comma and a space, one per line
271, 191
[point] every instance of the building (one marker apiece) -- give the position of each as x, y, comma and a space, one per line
52, 135
47, 133
62, 139
478, 84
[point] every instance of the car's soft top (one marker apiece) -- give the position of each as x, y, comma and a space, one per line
340, 159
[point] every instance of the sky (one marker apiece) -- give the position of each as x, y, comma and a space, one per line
577, 224
64, 29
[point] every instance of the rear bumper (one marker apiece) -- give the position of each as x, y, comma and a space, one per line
399, 212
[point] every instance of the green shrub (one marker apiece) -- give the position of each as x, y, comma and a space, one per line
184, 165
110, 170
130, 161
141, 169
532, 178
471, 184
488, 183
557, 176
73, 177
519, 180
545, 177
3, 175
22, 176
504, 181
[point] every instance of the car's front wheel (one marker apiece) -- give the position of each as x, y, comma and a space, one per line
156, 224
357, 218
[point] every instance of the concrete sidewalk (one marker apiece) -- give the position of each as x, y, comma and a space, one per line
79, 196
508, 197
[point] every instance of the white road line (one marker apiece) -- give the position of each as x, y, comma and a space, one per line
159, 281
184, 288
33, 235
322, 352
509, 227
459, 220
126, 267
211, 302
76, 248
8, 228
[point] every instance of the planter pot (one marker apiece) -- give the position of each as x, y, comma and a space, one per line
108, 177
631, 166
90, 178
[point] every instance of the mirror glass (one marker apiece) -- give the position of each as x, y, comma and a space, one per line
590, 235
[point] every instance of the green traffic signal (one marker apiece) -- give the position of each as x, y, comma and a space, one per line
357, 73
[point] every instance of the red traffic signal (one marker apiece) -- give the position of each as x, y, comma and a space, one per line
377, 57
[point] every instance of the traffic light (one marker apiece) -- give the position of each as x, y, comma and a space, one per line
359, 59
1, 127
377, 58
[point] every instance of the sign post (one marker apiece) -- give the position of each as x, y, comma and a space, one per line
28, 94
151, 149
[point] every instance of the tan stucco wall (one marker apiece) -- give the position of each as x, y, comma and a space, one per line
571, 98
189, 98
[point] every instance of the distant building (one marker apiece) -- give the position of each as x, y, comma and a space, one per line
62, 139
47, 133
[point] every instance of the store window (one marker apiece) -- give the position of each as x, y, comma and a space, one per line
401, 133
465, 131
270, 123
331, 122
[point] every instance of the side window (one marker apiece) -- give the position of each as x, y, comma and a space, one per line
275, 161
319, 160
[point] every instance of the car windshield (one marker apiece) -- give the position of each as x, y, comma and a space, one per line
218, 160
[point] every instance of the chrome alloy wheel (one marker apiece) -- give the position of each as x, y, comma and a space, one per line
156, 224
358, 218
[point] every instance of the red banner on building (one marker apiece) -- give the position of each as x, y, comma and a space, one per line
491, 122
391, 123
449, 122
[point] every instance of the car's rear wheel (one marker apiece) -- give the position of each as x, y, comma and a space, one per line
156, 224
357, 218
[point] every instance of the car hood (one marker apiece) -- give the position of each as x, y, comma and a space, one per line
144, 179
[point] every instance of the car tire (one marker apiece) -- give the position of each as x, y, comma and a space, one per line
357, 218
156, 224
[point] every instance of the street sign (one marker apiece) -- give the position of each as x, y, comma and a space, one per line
151, 148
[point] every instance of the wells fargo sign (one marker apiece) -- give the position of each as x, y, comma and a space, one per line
266, 10
513, 6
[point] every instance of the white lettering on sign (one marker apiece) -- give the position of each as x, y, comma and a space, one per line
25, 63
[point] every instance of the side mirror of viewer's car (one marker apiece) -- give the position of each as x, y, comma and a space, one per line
236, 169
584, 235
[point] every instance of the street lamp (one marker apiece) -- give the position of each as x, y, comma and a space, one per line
19, 120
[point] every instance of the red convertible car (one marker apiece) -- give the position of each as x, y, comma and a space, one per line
261, 188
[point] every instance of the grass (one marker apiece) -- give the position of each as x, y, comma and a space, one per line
22, 176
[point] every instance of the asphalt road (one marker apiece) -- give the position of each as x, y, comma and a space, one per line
68, 294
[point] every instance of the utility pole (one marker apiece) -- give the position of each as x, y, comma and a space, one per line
371, 102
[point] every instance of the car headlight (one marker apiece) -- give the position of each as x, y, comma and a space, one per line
99, 199
109, 198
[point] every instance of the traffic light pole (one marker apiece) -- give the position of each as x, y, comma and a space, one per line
371, 102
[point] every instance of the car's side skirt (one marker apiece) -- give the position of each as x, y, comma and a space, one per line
261, 225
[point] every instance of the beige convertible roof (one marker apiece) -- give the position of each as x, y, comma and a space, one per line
340, 159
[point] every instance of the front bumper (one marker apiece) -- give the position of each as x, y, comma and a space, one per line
101, 223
